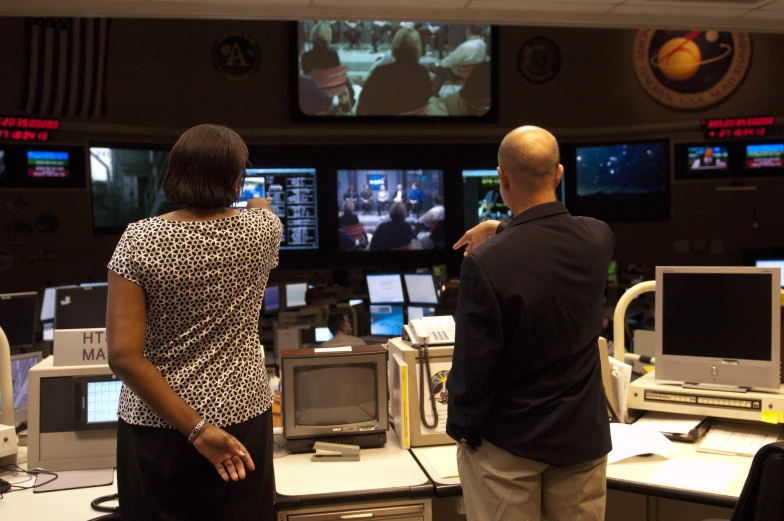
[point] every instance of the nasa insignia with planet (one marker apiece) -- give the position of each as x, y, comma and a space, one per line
690, 70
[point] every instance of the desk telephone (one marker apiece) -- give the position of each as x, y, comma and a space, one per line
422, 333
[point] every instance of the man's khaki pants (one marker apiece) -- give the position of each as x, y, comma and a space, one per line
499, 486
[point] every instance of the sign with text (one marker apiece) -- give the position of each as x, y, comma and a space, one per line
80, 347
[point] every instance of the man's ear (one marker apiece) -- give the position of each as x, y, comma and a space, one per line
503, 178
559, 175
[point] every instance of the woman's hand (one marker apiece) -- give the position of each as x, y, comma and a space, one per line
476, 236
260, 202
224, 451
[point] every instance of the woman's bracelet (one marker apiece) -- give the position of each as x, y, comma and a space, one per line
196, 431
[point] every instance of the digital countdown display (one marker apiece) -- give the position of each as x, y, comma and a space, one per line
733, 128
27, 129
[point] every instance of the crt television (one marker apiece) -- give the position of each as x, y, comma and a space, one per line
718, 327
337, 395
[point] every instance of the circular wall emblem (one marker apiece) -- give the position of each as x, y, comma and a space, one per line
236, 55
690, 70
539, 60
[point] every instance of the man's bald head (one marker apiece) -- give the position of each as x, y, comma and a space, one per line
529, 155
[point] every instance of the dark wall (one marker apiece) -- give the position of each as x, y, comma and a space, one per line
161, 80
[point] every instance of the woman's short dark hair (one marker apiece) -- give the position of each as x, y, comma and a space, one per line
205, 167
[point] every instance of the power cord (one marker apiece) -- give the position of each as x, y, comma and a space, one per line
8, 487
424, 361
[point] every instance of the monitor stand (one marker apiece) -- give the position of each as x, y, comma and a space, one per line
716, 387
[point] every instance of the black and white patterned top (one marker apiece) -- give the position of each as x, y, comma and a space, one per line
204, 282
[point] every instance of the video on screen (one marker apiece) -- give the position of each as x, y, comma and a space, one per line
482, 197
126, 185
391, 210
48, 164
386, 68
630, 169
765, 156
707, 158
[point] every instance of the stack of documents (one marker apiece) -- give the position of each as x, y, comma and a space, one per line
737, 440
679, 427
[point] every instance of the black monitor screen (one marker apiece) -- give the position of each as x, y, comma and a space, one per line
335, 394
709, 158
391, 68
271, 299
80, 307
770, 155
293, 199
629, 169
386, 320
17, 318
126, 185
717, 315
391, 210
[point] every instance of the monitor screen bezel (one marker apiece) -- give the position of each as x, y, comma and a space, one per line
298, 116
763, 374
15, 160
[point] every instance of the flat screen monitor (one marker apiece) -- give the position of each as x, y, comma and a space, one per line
48, 163
718, 325
20, 364
386, 320
127, 185
80, 307
394, 69
391, 210
293, 199
323, 334
621, 182
482, 197
420, 288
765, 156
295, 295
356, 302
272, 299
417, 312
385, 289
17, 318
47, 306
772, 263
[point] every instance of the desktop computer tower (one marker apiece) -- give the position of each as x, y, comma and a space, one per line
405, 370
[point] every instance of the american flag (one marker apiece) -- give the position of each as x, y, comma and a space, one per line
66, 67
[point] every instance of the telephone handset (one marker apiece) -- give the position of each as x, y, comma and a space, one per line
423, 333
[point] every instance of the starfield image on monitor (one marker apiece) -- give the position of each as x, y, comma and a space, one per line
628, 169
126, 185
392, 68
765, 156
391, 210
293, 199
707, 158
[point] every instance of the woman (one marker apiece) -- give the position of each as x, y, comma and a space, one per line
383, 199
348, 218
394, 233
194, 436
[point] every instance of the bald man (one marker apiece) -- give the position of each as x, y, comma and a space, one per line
526, 402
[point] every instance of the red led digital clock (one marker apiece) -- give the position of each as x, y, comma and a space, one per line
27, 129
733, 128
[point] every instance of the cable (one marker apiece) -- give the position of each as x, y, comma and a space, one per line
32, 473
96, 504
614, 416
424, 356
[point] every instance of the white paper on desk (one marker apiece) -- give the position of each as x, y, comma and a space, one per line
621, 374
691, 473
671, 423
741, 440
443, 460
632, 440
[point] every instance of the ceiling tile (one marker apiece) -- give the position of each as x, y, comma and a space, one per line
549, 7
674, 12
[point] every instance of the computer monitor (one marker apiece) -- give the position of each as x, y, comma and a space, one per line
323, 334
80, 307
386, 320
356, 302
765, 156
420, 288
295, 295
20, 364
408, 214
482, 197
17, 318
293, 199
417, 312
97, 400
272, 299
772, 263
718, 326
385, 289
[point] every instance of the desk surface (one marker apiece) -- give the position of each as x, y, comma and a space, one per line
384, 473
637, 474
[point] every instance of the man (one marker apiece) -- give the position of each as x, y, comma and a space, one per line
415, 198
366, 199
340, 328
526, 402
350, 195
707, 160
473, 51
400, 194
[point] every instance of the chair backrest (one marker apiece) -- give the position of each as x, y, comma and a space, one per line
421, 111
355, 231
761, 498
332, 81
465, 71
